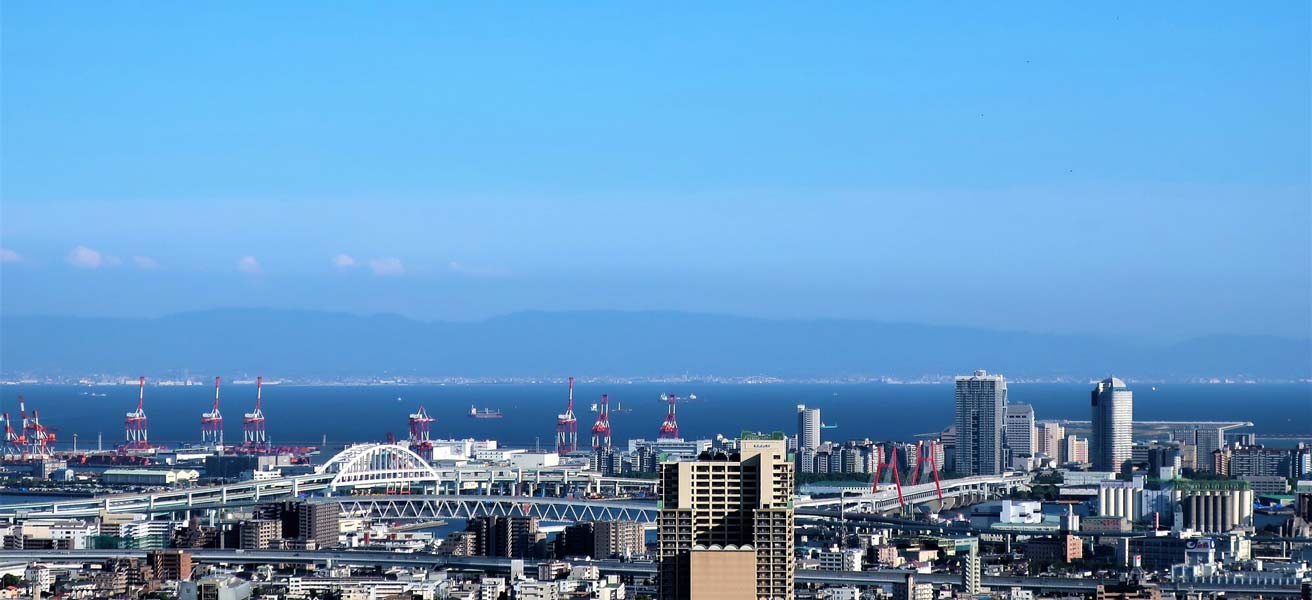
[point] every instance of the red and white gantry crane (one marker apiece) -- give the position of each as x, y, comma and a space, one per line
252, 423
670, 428
420, 442
135, 436
567, 426
211, 423
601, 430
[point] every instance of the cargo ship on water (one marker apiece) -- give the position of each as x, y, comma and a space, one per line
486, 413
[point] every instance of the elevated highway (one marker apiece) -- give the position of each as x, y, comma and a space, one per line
613, 567
956, 492
362, 468
445, 492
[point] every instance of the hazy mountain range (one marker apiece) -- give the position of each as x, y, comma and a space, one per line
290, 343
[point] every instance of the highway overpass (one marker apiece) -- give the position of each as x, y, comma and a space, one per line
638, 569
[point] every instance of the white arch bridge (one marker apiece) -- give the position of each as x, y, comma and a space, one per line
360, 469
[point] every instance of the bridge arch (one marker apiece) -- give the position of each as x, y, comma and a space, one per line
377, 464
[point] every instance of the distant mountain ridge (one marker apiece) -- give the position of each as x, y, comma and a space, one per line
295, 343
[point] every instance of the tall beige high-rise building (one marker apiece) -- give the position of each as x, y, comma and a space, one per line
1077, 449
1052, 439
971, 568
725, 528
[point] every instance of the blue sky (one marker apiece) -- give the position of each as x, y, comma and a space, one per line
1137, 170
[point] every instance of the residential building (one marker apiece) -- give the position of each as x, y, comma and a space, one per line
648, 454
1205, 439
1160, 459
537, 590
1077, 449
1263, 461
1063, 548
908, 589
460, 543
577, 540
514, 537
725, 527
839, 559
311, 524
39, 577
1022, 437
147, 535
971, 566
492, 588
619, 538
1157, 552
607, 461
1112, 440
1266, 484
1052, 441
170, 565
886, 555
1221, 461
981, 423
219, 587
260, 534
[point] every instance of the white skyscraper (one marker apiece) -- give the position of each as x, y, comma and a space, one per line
1022, 437
808, 427
981, 423
1111, 443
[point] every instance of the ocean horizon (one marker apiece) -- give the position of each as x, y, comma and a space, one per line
351, 414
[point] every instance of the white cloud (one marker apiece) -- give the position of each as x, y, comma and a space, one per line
9, 256
387, 266
343, 261
248, 264
83, 257
144, 262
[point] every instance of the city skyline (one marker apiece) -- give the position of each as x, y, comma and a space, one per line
731, 301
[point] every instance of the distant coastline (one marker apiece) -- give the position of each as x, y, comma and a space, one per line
90, 381
320, 348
